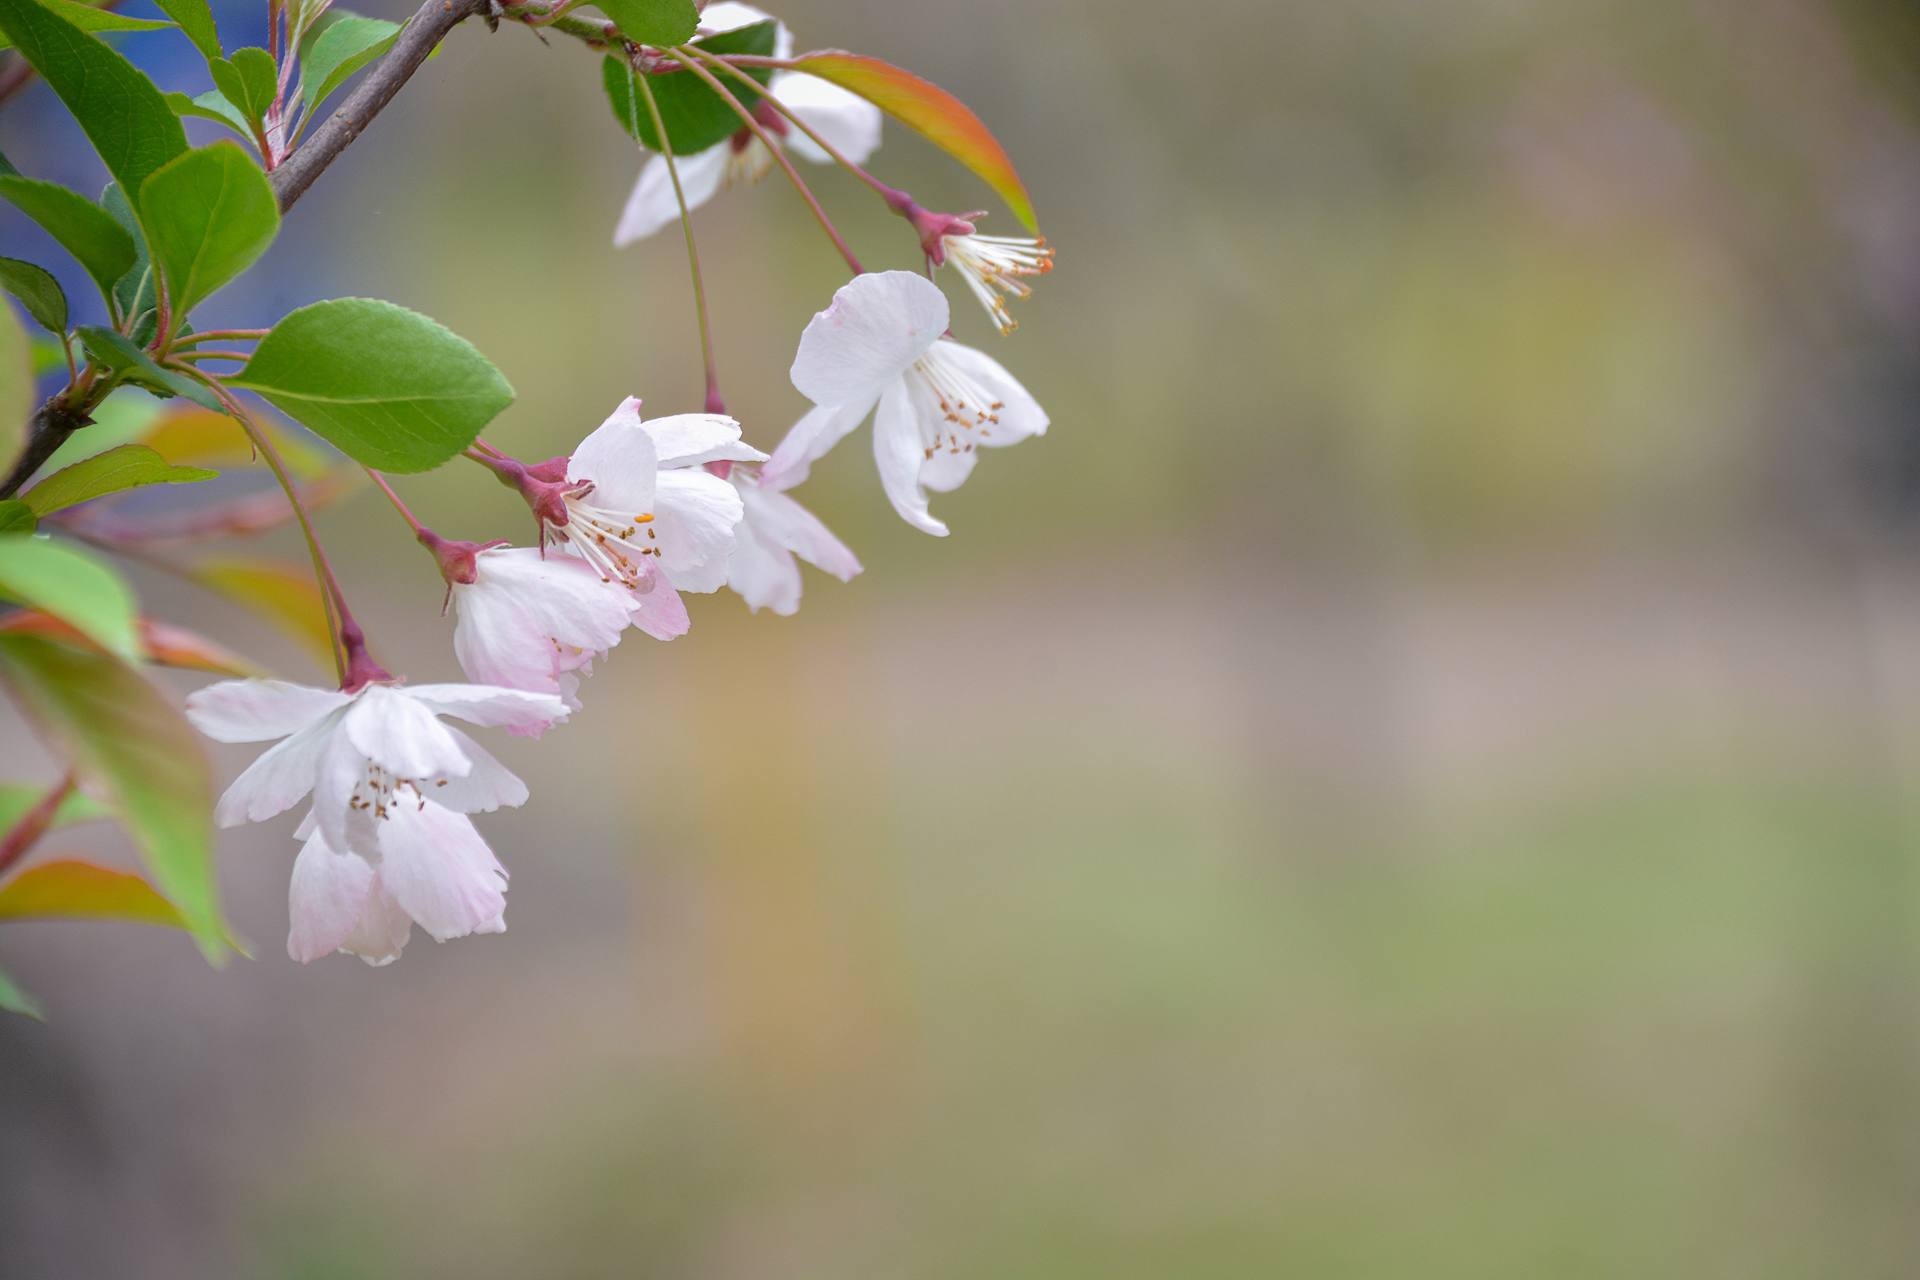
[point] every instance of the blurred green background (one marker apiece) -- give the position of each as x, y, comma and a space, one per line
1415, 775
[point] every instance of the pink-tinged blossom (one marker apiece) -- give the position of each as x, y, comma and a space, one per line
368, 756
849, 123
428, 865
776, 529
878, 348
644, 512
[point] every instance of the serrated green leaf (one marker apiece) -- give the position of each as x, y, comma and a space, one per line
387, 386
210, 214
342, 49
14, 1000
249, 78
16, 382
137, 367
17, 517
211, 105
129, 466
88, 18
73, 586
16, 798
660, 23
696, 117
38, 292
83, 228
137, 292
122, 735
118, 108
196, 21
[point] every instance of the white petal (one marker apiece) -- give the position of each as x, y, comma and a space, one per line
689, 439
948, 469
382, 930
652, 204
876, 327
898, 452
809, 439
731, 15
1020, 415
342, 771
695, 514
489, 786
526, 617
764, 573
489, 705
774, 516
620, 459
259, 710
325, 899
849, 123
441, 872
658, 609
279, 779
400, 734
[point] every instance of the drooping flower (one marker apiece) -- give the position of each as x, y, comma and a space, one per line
640, 506
525, 620
878, 348
365, 756
428, 865
849, 123
775, 530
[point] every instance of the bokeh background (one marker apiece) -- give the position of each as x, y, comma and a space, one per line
1414, 775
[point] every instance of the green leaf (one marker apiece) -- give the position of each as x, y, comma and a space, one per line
211, 105
387, 386
137, 292
17, 517
88, 18
696, 117
16, 798
16, 383
935, 114
121, 734
38, 291
249, 78
196, 20
69, 889
83, 228
14, 1000
127, 467
342, 49
119, 109
73, 586
137, 367
656, 22
209, 216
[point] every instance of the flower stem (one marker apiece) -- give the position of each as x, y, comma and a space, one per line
759, 131
885, 192
206, 335
714, 402
380, 482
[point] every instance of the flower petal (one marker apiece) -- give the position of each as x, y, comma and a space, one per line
341, 772
775, 516
657, 608
652, 204
849, 123
947, 469
325, 899
525, 618
382, 930
1019, 416
731, 15
489, 786
876, 327
695, 514
899, 453
441, 872
489, 705
400, 734
279, 779
764, 573
689, 439
809, 439
259, 710
620, 460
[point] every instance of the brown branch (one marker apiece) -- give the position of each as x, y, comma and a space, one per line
424, 31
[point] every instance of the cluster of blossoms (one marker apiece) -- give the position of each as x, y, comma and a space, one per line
641, 513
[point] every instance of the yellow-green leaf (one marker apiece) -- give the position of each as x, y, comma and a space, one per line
73, 586
126, 467
69, 889
283, 595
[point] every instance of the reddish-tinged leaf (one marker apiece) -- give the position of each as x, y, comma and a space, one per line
283, 595
931, 111
69, 889
160, 642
